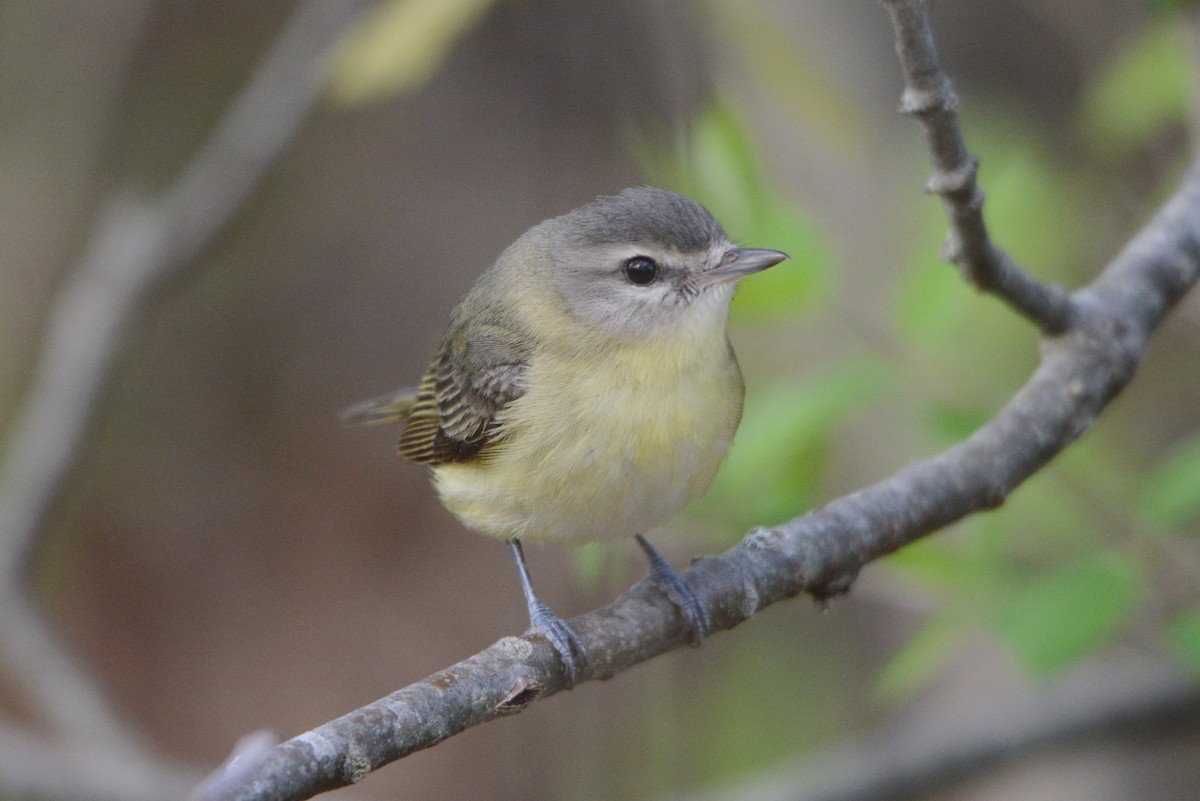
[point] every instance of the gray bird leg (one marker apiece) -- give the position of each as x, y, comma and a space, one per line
560, 636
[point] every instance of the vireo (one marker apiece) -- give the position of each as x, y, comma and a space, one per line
585, 388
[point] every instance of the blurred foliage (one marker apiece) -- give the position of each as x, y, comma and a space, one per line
1170, 493
1056, 618
909, 668
1171, 6
1183, 633
398, 45
1144, 90
795, 80
785, 445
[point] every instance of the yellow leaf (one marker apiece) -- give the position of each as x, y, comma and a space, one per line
398, 45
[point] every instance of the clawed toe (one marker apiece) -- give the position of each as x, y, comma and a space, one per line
682, 594
690, 606
562, 638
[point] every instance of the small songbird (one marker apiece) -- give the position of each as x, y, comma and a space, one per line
585, 388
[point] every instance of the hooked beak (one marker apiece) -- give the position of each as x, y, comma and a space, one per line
742, 261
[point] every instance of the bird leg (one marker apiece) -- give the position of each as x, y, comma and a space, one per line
695, 615
561, 637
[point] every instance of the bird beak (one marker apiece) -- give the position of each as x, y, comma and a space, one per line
742, 261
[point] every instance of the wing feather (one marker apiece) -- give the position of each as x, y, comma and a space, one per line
453, 418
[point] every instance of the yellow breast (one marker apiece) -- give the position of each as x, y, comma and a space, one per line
603, 445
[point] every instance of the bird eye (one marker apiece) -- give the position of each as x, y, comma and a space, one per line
641, 270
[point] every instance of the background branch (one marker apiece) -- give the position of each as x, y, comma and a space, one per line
38, 768
910, 759
136, 245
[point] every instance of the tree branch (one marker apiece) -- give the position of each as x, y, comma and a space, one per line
1100, 335
930, 97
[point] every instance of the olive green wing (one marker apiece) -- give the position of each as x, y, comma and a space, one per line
473, 377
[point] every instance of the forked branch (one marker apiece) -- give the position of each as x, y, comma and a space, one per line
930, 97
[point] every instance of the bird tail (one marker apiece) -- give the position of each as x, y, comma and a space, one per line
391, 409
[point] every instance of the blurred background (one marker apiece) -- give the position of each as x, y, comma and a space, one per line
225, 556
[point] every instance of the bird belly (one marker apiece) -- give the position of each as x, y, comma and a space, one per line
613, 451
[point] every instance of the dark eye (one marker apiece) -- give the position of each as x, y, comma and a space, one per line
641, 270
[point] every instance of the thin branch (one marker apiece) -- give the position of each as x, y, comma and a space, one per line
36, 768
915, 759
930, 97
134, 248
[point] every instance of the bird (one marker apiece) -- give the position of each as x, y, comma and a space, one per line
585, 388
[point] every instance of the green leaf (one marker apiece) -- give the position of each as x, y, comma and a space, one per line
1054, 620
1092, 462
943, 563
916, 662
723, 169
780, 453
932, 303
1142, 92
1030, 199
1170, 495
398, 45
951, 423
1042, 523
1183, 636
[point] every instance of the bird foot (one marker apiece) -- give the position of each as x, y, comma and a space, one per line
561, 637
682, 594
